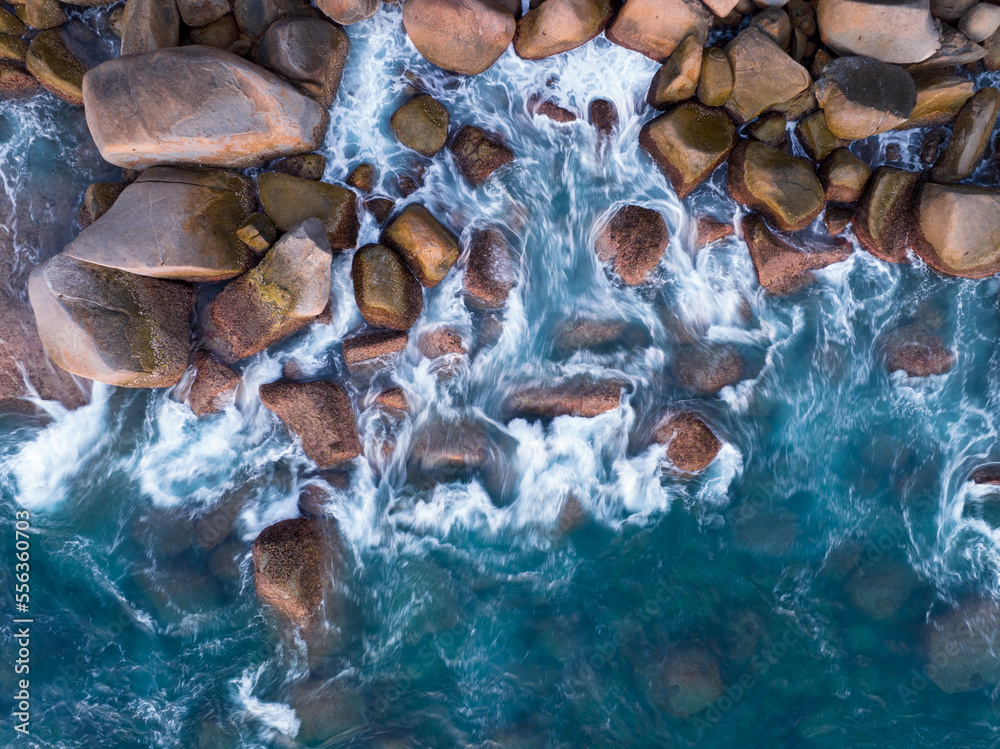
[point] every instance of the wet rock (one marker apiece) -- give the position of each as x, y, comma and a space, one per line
491, 272
843, 176
42, 14
254, 16
881, 222
988, 474
281, 295
202, 87
763, 75
258, 232
781, 187
478, 154
443, 451
603, 115
691, 444
900, 32
387, 294
347, 12
970, 137
11, 24
587, 333
815, 136
771, 129
863, 97
56, 67
428, 248
781, 268
291, 568
149, 25
689, 680
172, 223
463, 36
572, 515
309, 52
320, 415
575, 397
421, 124
289, 201
12, 49
708, 231
956, 229
441, 342
17, 83
707, 369
950, 10
97, 200
879, 589
214, 385
656, 27
363, 178
836, 218
197, 13
304, 165
373, 346
677, 79
381, 208
956, 49
633, 241
775, 23
550, 109
797, 107
111, 326
715, 84
558, 26
917, 351
688, 143
980, 22
961, 647
393, 399
940, 96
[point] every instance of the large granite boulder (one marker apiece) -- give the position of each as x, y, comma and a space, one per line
574, 397
283, 294
491, 272
421, 124
557, 26
900, 31
463, 36
690, 443
149, 25
655, 27
428, 248
478, 154
633, 241
955, 229
292, 568
783, 188
254, 16
197, 105
385, 290
781, 268
347, 12
112, 326
173, 223
843, 176
715, 82
291, 200
763, 75
881, 222
371, 348
309, 52
320, 415
688, 143
970, 137
962, 647
880, 588
862, 97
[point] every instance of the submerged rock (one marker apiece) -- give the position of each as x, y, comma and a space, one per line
783, 188
655, 28
763, 75
428, 248
478, 154
689, 680
961, 647
633, 241
781, 268
291, 568
971, 135
491, 273
387, 294
214, 385
863, 97
955, 229
603, 115
309, 52
691, 444
575, 397
917, 351
320, 415
557, 26
879, 589
898, 32
290, 201
707, 369
421, 124
463, 36
881, 222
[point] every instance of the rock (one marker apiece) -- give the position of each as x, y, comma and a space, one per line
380, 208
962, 645
843, 176
707, 369
478, 154
633, 241
715, 85
688, 143
580, 333
956, 229
373, 346
781, 187
881, 222
815, 136
283, 294
56, 67
42, 14
980, 22
722, 8
656, 27
428, 248
708, 231
16, 82
149, 25
222, 33
880, 588
460, 450
205, 89
781, 268
172, 223
11, 24
12, 49
931, 144
291, 200
320, 415
254, 16
689, 680
863, 97
214, 385
603, 115
558, 26
971, 135
291, 568
197, 13
917, 351
950, 10
574, 397
677, 79
111, 326
691, 444
441, 342
421, 124
771, 129
387, 294
97, 200
309, 52
899, 32
463, 36
258, 233
303, 165
363, 178
939, 97
763, 75
548, 108
347, 12
393, 399
491, 272
988, 474
956, 49
776, 24
836, 219
797, 107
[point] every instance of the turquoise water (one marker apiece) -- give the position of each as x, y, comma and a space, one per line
471, 618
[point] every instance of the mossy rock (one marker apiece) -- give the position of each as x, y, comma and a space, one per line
291, 200
55, 67
421, 124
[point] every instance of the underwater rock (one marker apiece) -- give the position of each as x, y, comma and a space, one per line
633, 241
655, 28
320, 415
677, 79
843, 176
689, 680
290, 201
763, 75
393, 399
961, 647
988, 474
428, 248
783, 188
149, 25
691, 444
347, 12
373, 346
291, 568
879, 589
441, 342
707, 369
558, 26
970, 137
387, 294
309, 52
603, 115
575, 397
214, 385
917, 351
898, 32
478, 154
882, 219
782, 268
421, 124
863, 97
708, 231
955, 229
491, 272
463, 36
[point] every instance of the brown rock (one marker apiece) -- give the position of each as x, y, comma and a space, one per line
715, 85
12, 49
708, 231
41, 14
254, 16
59, 70
691, 444
988, 474
917, 351
707, 369
899, 32
214, 385
289, 201
347, 12
586, 333
491, 273
980, 22
303, 165
362, 178
478, 154
656, 27
815, 136
781, 268
776, 24
149, 25
381, 208
836, 218
11, 24
373, 345
441, 342
633, 241
320, 415
843, 176
939, 97
880, 588
689, 680
550, 109
970, 137
956, 49
603, 115
196, 13
258, 233
797, 107
576, 397
881, 222
309, 52
428, 248
677, 79
97, 199
771, 129
862, 97
463, 36
950, 10
781, 187
16, 82
387, 294
291, 568
558, 26
956, 229
763, 75
421, 124
393, 399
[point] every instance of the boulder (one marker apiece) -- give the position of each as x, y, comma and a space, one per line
478, 154
291, 568
656, 27
962, 646
111, 326
579, 333
558, 26
254, 16
688, 143
862, 97
347, 12
939, 97
11, 24
689, 680
309, 52
705, 370
421, 124
441, 342
988, 474
291, 200
691, 444
197, 13
548, 108
463, 36
775, 23
950, 10
677, 79
491, 272
771, 129
633, 241
603, 115
56, 67
149, 25
955, 229
709, 230
881, 222
980, 22
393, 399
173, 223
258, 232
899, 32
970, 137
373, 346
41, 14
97, 200
16, 82
12, 49
575, 397
843, 176
956, 49
815, 136
763, 75
385, 290
781, 268
320, 415
281, 295
715, 84
303, 165
918, 351
783, 188
214, 385
196, 105
836, 219
428, 248
880, 588
363, 177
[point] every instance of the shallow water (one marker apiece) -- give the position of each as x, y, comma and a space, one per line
471, 616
